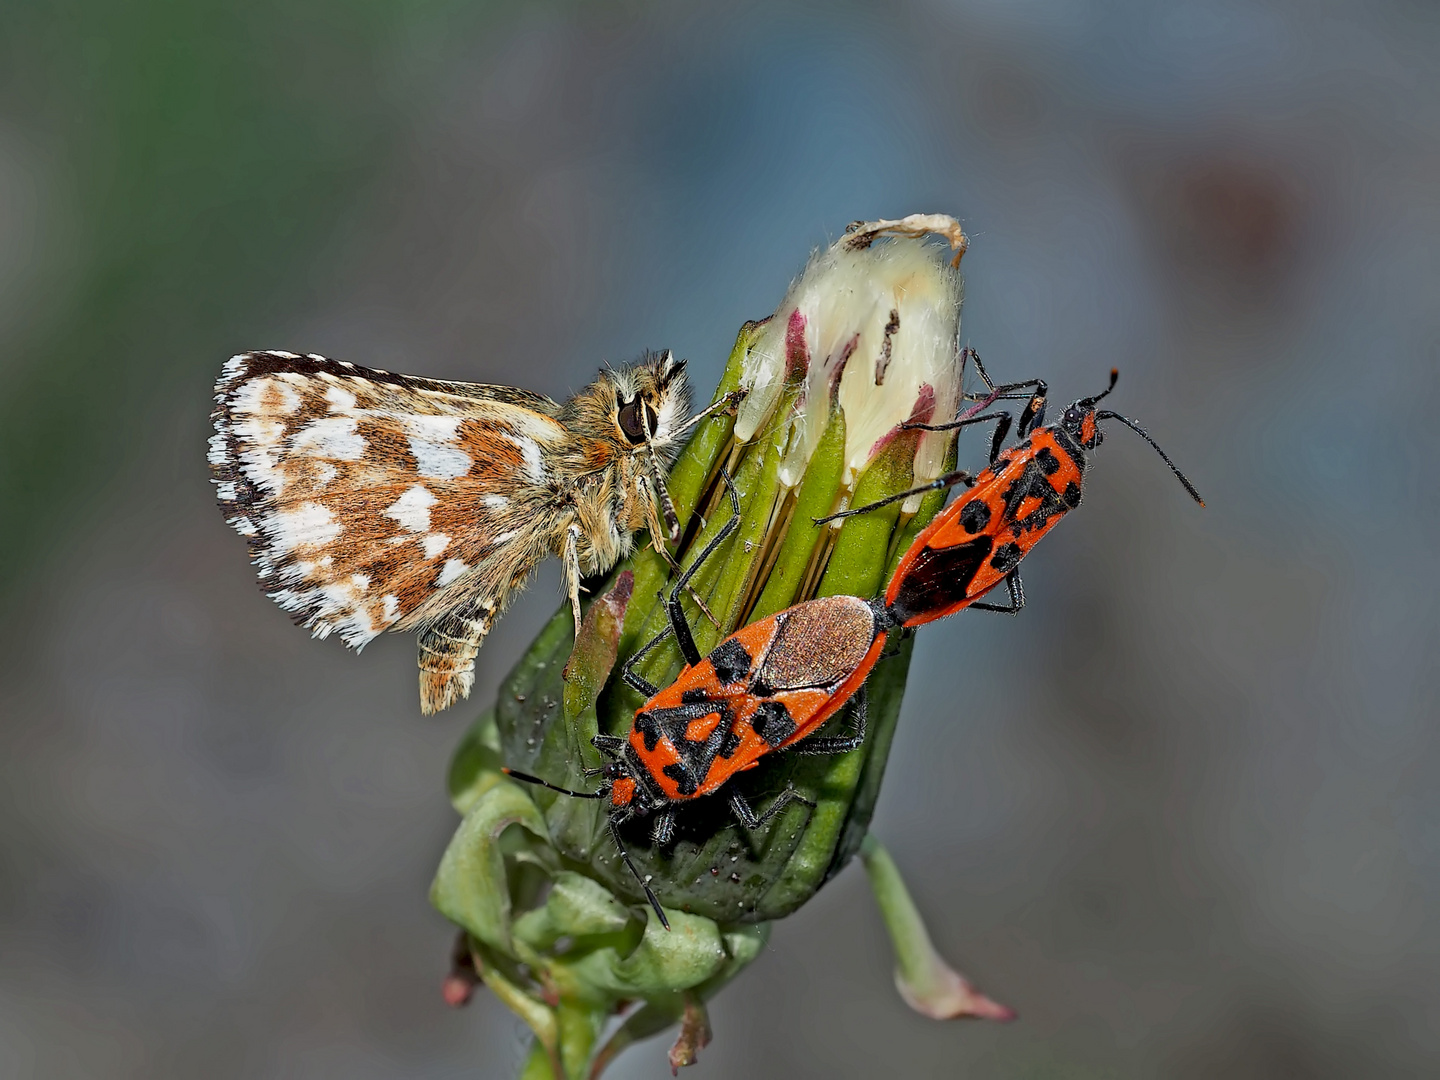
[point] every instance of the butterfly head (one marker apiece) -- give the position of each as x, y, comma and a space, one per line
651, 400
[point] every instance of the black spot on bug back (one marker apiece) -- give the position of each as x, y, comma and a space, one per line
685, 781
939, 578
649, 729
1072, 495
1007, 558
974, 516
730, 661
772, 722
1068, 446
694, 696
1048, 462
729, 743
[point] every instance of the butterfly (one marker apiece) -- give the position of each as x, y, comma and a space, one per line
374, 501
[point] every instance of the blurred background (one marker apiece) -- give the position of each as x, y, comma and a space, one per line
1181, 813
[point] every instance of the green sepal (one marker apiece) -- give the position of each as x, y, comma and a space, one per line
815, 498
576, 907
471, 888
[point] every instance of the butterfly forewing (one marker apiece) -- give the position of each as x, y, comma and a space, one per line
369, 500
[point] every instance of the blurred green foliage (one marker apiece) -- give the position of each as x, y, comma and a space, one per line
201, 153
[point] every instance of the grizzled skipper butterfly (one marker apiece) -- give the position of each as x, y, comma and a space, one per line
374, 501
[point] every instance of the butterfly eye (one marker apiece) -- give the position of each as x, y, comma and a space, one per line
629, 420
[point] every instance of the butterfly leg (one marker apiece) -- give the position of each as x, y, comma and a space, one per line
652, 516
447, 649
572, 572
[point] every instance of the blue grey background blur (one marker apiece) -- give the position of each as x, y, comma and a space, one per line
1181, 813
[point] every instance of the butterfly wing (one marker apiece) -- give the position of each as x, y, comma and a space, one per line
373, 501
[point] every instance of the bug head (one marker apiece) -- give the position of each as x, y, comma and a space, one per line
1082, 423
617, 782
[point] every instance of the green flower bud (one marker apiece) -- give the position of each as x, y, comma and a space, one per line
555, 923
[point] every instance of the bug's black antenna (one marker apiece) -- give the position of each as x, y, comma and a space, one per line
614, 834
1133, 426
1089, 402
645, 885
527, 778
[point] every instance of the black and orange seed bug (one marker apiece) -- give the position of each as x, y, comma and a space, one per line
769, 686
978, 541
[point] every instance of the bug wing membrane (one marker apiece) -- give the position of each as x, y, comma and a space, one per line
376, 502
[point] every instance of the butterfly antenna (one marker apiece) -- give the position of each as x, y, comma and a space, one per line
527, 778
1133, 426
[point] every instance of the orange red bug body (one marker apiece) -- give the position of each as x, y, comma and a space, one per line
769, 686
979, 540
766, 687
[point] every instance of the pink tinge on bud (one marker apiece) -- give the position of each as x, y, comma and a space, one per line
462, 979
797, 352
837, 365
457, 990
924, 407
951, 996
920, 413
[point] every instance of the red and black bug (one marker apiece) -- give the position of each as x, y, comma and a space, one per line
769, 686
978, 541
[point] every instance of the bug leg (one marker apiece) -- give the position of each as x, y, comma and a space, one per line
634, 681
644, 885
663, 828
1006, 391
1017, 596
841, 744
608, 744
664, 553
741, 809
784, 799
1002, 428
684, 637
938, 484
